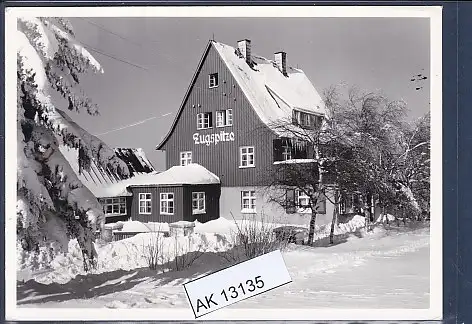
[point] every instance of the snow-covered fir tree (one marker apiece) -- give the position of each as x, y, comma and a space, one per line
53, 205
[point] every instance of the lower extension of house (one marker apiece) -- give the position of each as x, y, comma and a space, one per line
186, 193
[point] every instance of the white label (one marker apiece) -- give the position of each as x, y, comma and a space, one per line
241, 281
213, 138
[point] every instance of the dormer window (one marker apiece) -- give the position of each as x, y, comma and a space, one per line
306, 120
213, 80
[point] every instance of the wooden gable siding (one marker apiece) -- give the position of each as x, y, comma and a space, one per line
212, 202
155, 215
222, 158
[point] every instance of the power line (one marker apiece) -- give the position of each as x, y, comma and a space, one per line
132, 125
107, 30
123, 38
113, 57
134, 65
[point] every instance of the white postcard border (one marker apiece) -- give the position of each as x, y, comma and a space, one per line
12, 312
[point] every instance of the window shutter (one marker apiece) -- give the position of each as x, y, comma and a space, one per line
277, 148
290, 201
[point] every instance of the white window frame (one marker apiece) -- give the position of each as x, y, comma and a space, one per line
185, 158
204, 120
118, 202
220, 118
244, 152
199, 198
229, 117
164, 208
302, 199
213, 80
297, 116
306, 119
248, 201
287, 153
224, 118
143, 198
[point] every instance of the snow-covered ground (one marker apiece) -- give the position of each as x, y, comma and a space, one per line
378, 269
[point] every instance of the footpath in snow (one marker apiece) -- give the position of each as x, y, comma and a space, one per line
383, 268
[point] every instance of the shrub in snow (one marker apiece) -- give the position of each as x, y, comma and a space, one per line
185, 251
254, 236
52, 203
153, 250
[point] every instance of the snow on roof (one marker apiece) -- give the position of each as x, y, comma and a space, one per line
296, 161
177, 175
97, 180
135, 159
102, 184
272, 94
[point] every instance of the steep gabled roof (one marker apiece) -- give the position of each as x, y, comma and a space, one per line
104, 183
272, 94
187, 93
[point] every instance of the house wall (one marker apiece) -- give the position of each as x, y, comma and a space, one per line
182, 203
155, 215
230, 206
212, 205
222, 158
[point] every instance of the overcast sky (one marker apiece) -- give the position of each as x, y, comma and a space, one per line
372, 53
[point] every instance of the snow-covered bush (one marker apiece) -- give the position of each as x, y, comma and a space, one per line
49, 194
254, 236
186, 250
153, 250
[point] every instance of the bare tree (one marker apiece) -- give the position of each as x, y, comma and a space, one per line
356, 148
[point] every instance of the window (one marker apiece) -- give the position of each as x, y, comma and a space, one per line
204, 120
114, 206
317, 121
349, 203
224, 118
306, 120
145, 205
213, 80
220, 118
246, 157
167, 203
303, 202
287, 152
185, 158
229, 117
198, 202
248, 201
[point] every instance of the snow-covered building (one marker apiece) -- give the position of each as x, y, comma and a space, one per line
134, 198
224, 124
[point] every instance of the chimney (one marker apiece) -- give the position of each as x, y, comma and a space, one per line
281, 61
244, 47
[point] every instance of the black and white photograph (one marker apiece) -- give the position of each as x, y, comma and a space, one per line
155, 146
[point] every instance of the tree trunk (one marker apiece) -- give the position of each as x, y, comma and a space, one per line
311, 233
334, 221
